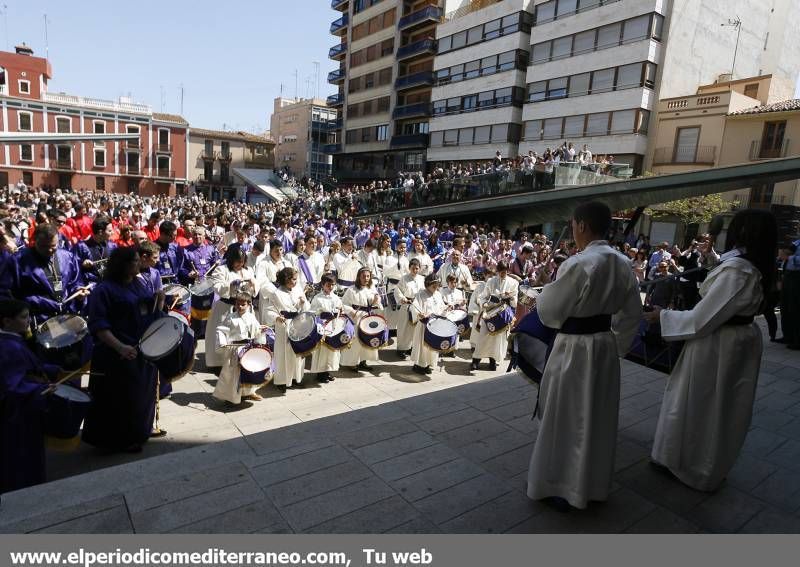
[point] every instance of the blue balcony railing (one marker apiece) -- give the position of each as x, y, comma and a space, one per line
339, 4
335, 77
417, 48
427, 14
409, 141
335, 99
337, 51
340, 25
414, 80
332, 148
412, 110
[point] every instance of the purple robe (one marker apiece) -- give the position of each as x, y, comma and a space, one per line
35, 288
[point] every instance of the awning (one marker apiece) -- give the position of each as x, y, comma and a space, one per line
260, 179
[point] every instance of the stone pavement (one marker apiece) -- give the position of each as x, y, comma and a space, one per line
402, 454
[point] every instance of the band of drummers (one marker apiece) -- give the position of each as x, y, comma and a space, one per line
281, 296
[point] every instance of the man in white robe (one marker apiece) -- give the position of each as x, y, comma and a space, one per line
596, 307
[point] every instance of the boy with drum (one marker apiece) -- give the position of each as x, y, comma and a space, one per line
327, 306
427, 303
238, 325
499, 294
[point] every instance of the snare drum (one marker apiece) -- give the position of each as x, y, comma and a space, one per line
202, 299
64, 340
169, 344
303, 333
66, 409
526, 300
177, 298
460, 318
497, 319
441, 334
373, 331
179, 316
254, 364
337, 334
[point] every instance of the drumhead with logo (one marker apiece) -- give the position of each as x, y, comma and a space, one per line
61, 331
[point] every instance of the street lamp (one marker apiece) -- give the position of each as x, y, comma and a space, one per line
737, 23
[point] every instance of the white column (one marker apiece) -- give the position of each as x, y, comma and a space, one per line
116, 147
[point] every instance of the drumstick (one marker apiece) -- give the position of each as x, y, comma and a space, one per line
174, 303
52, 387
74, 295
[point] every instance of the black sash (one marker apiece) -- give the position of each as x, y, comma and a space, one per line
327, 316
586, 325
289, 314
366, 309
740, 320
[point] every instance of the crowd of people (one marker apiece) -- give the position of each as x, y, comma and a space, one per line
296, 280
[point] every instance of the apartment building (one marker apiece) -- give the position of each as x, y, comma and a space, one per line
303, 130
386, 51
155, 163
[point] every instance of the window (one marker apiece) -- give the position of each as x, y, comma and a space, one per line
650, 75
658, 26
629, 76
163, 136
451, 137
366, 135
502, 96
436, 139
537, 91
608, 36
486, 99
385, 76
132, 162
24, 87
562, 47
63, 125
552, 128
489, 65
623, 121
557, 88
100, 183
482, 135
507, 60
602, 81
25, 121
381, 133
573, 126
584, 42
474, 35
772, 139
566, 7
440, 107
209, 148
491, 29
579, 84
457, 73
472, 69
545, 12
500, 133
597, 124
27, 178
459, 40
485, 32
637, 28
686, 141
541, 52
383, 104
465, 136
26, 152
64, 155
453, 104
445, 44
533, 130
99, 158
469, 102
751, 90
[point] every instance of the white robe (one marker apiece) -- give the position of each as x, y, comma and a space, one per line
406, 290
708, 403
325, 359
425, 303
573, 457
460, 271
395, 268
266, 275
235, 327
488, 345
221, 278
473, 308
357, 351
425, 262
288, 366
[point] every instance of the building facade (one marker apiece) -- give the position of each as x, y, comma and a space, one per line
215, 155
303, 130
156, 163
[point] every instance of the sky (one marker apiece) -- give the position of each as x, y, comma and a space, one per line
231, 56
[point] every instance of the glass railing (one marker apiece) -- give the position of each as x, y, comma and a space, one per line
414, 80
336, 76
410, 110
340, 24
331, 148
336, 4
337, 50
433, 13
409, 140
335, 100
421, 46
510, 182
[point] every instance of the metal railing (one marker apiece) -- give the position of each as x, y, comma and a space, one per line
133, 144
337, 4
411, 110
224, 155
758, 150
336, 76
473, 6
163, 148
208, 156
409, 140
337, 50
414, 80
430, 13
416, 48
62, 98
340, 24
64, 164
335, 99
685, 155
164, 173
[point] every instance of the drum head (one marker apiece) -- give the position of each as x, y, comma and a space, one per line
71, 394
529, 291
205, 287
457, 315
161, 337
177, 290
61, 331
372, 324
334, 326
255, 359
179, 316
442, 327
301, 326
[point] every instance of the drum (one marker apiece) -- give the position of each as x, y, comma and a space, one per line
169, 344
177, 297
526, 300
532, 343
373, 331
66, 409
383, 295
651, 350
303, 333
441, 334
391, 300
337, 334
179, 316
64, 340
254, 364
498, 318
269, 336
460, 318
202, 298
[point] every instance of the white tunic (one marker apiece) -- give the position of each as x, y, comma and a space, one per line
363, 297
235, 327
460, 271
404, 293
222, 278
573, 457
325, 359
473, 309
288, 366
266, 275
488, 345
708, 403
425, 303
395, 267
425, 262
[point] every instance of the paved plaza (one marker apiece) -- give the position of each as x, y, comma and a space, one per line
391, 451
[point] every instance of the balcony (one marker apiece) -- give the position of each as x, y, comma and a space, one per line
118, 106
336, 77
470, 7
133, 145
421, 47
163, 148
421, 79
208, 155
331, 149
335, 100
133, 172
759, 150
337, 52
224, 155
332, 125
409, 141
412, 110
164, 173
339, 27
427, 15
340, 5
685, 155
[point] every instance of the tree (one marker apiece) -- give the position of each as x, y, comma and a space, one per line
692, 210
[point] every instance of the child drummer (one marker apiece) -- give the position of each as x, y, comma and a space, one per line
24, 378
426, 303
326, 305
240, 324
454, 299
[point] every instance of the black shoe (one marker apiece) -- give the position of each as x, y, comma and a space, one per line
558, 504
401, 354
428, 370
363, 365
281, 388
475, 363
418, 369
323, 377
492, 364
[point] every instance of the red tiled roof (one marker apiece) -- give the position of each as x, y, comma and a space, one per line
238, 135
792, 105
162, 117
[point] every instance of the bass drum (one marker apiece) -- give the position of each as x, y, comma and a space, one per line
64, 340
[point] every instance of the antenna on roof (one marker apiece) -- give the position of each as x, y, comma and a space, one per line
5, 17
46, 43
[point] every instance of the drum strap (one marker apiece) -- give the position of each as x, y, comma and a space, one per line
289, 314
362, 308
327, 316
